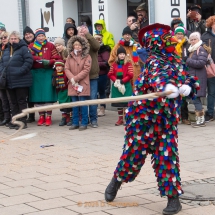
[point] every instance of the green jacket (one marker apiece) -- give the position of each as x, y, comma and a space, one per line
108, 38
94, 47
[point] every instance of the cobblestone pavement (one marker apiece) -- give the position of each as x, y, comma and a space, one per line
70, 177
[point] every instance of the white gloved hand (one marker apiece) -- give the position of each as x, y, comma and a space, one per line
72, 81
121, 89
184, 90
174, 89
117, 83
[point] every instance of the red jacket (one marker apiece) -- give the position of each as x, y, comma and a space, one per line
49, 53
127, 72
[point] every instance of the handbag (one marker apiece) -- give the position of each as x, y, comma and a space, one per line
3, 76
210, 66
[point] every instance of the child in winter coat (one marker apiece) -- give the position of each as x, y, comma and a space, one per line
78, 65
60, 82
121, 73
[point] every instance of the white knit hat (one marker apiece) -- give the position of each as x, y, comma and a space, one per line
60, 41
195, 35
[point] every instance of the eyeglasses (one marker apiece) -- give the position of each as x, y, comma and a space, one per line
3, 38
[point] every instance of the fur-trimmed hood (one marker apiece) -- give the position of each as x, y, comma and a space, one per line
84, 43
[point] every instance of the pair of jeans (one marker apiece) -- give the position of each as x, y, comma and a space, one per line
84, 111
5, 104
198, 104
102, 83
211, 95
93, 95
18, 99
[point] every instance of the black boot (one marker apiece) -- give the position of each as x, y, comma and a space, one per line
173, 206
111, 190
63, 121
31, 118
4, 122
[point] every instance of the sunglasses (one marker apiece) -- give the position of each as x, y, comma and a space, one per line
3, 38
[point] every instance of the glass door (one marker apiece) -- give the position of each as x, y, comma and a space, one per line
132, 5
84, 9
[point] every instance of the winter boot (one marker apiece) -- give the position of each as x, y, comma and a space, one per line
31, 118
200, 119
173, 206
120, 121
101, 111
41, 120
112, 189
48, 120
63, 120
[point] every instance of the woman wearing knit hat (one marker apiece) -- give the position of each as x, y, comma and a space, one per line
121, 73
61, 48
42, 92
182, 50
128, 43
196, 62
28, 35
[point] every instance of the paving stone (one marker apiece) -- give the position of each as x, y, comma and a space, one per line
54, 185
23, 183
17, 210
57, 211
15, 200
51, 203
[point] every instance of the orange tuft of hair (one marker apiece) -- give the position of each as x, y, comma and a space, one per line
210, 21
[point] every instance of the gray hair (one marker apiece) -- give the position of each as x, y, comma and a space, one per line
16, 34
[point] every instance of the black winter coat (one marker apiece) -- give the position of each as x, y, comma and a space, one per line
196, 63
18, 72
201, 28
209, 36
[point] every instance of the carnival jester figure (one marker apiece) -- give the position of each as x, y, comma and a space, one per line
151, 125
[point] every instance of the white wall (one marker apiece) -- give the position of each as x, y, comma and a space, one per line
35, 17
9, 15
70, 9
115, 15
163, 11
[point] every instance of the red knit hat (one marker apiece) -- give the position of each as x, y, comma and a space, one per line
59, 63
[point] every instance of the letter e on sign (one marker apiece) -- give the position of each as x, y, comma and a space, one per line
175, 2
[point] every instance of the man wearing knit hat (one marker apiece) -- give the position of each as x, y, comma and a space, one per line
2, 27
28, 35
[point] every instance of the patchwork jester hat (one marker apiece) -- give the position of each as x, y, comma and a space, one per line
157, 37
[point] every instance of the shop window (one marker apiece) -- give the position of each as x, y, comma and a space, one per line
84, 9
133, 4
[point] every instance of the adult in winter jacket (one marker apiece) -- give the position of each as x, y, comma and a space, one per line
69, 31
5, 106
42, 92
209, 38
196, 62
182, 50
195, 21
129, 44
103, 57
94, 72
19, 77
108, 38
29, 37
142, 21
77, 69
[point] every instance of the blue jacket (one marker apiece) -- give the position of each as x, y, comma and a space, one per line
18, 72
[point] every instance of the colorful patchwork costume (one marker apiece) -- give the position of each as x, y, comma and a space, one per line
151, 125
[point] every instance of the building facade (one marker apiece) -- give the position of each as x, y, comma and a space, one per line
51, 15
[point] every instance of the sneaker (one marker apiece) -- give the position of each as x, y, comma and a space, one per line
200, 120
41, 120
186, 122
94, 125
48, 120
208, 118
119, 122
82, 127
73, 127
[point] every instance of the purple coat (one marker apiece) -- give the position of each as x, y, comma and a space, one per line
196, 64
103, 57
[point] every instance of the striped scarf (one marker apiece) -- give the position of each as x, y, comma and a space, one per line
119, 72
60, 83
37, 47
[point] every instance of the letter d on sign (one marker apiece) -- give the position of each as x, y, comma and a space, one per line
175, 13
